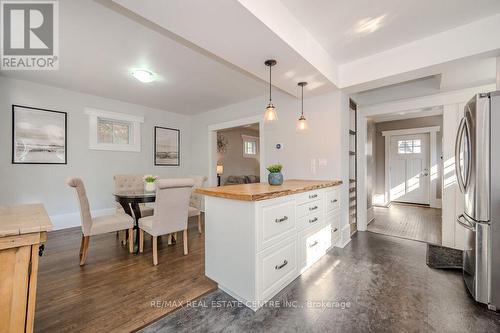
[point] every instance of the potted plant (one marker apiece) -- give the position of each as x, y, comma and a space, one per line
149, 183
275, 176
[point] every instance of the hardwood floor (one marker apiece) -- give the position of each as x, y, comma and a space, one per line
408, 221
115, 290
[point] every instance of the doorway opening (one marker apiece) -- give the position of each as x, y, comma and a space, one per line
236, 152
404, 175
238, 159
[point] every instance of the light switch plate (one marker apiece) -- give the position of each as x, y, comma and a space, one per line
322, 162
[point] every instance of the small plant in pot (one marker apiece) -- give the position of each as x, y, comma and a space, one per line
149, 183
275, 176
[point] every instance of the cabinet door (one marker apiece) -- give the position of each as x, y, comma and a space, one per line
14, 280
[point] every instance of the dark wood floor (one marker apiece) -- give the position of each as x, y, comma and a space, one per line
114, 291
408, 221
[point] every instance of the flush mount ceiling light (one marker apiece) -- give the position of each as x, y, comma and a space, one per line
369, 24
143, 75
270, 115
302, 123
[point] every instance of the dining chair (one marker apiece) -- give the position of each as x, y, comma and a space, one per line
99, 225
170, 213
196, 200
130, 182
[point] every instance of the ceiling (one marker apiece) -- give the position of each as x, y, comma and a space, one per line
96, 59
344, 28
408, 114
209, 54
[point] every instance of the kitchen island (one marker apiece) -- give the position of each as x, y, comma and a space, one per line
259, 238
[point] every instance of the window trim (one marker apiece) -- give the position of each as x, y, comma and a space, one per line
249, 138
135, 130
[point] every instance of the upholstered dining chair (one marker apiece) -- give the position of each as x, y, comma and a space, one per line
170, 213
99, 225
196, 200
130, 182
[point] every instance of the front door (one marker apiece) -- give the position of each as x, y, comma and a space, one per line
409, 168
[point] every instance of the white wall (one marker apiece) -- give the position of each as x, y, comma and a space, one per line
326, 139
46, 183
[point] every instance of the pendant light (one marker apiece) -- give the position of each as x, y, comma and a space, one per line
302, 123
270, 115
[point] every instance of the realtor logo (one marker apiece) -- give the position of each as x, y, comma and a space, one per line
29, 35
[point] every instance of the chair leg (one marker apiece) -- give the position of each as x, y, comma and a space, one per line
199, 224
84, 249
141, 240
185, 241
155, 251
131, 240
122, 237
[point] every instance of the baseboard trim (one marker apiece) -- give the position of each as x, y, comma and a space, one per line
70, 220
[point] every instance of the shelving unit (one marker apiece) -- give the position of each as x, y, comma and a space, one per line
353, 167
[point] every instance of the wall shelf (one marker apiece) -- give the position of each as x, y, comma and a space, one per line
353, 165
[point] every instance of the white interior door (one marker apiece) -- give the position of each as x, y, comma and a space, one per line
409, 168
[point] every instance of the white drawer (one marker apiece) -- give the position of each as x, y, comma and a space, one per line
333, 221
309, 196
310, 220
332, 200
277, 266
313, 207
277, 221
313, 244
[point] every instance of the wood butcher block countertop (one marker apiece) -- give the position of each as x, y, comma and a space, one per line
23, 219
263, 191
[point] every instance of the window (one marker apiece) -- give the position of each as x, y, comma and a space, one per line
114, 131
250, 146
409, 146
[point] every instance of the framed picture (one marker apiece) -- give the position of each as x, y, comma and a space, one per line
167, 143
39, 136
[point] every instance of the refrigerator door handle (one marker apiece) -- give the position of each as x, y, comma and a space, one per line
458, 141
469, 153
462, 220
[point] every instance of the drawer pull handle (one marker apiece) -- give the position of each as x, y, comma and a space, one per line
283, 219
312, 196
314, 244
334, 201
313, 208
313, 220
278, 267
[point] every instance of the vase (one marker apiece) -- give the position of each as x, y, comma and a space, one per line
275, 178
150, 187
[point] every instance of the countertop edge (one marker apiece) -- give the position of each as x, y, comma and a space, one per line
268, 195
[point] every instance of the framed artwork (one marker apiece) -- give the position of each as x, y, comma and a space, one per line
167, 146
39, 136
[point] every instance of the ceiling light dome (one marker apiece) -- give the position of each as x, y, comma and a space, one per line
143, 75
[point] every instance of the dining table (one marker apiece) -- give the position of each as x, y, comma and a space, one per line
130, 201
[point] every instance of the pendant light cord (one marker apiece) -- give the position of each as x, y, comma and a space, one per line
302, 113
270, 99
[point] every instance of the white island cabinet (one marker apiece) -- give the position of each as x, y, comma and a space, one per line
259, 238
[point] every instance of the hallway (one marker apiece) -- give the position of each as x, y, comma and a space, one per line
408, 221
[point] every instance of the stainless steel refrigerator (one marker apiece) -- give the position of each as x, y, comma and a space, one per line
477, 163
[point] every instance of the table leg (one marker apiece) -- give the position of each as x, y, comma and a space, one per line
137, 214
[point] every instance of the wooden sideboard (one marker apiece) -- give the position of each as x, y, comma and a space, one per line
23, 228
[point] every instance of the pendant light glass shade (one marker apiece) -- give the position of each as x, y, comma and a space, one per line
270, 115
302, 122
